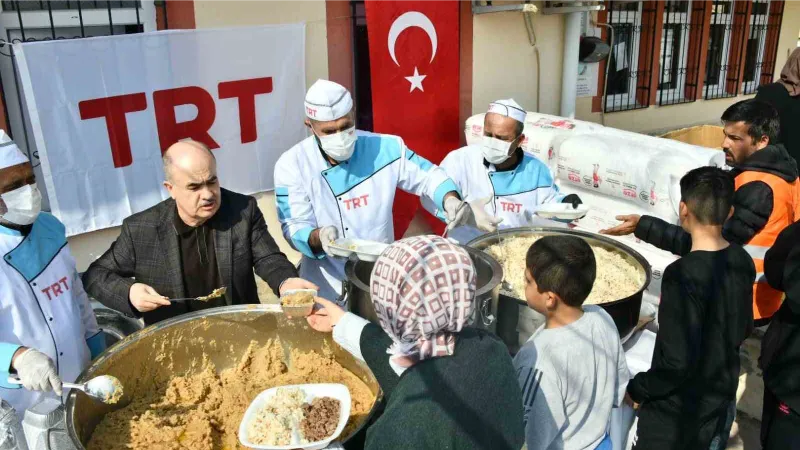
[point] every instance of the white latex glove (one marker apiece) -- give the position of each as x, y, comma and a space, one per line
483, 220
473, 214
37, 371
326, 236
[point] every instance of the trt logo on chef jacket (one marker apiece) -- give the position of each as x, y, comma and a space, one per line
357, 202
55, 290
510, 206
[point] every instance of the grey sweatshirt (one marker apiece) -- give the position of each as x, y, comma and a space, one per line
571, 377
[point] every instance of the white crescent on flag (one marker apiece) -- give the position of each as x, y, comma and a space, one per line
405, 21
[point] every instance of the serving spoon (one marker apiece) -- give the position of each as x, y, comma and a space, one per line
105, 388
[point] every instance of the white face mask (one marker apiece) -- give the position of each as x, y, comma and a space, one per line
495, 150
339, 146
23, 205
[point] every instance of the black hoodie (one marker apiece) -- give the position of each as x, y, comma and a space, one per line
752, 205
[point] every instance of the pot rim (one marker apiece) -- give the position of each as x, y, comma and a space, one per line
524, 231
69, 406
497, 269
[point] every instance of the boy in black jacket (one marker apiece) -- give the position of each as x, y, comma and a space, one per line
780, 349
765, 202
688, 397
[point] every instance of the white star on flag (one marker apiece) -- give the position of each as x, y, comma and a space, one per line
416, 81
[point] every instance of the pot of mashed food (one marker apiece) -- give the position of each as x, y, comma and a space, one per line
622, 276
189, 380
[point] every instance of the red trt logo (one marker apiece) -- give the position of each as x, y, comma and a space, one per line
114, 110
355, 203
511, 207
55, 288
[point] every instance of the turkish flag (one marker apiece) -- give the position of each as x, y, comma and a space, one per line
414, 67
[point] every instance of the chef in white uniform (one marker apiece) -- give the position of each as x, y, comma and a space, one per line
341, 182
48, 331
509, 183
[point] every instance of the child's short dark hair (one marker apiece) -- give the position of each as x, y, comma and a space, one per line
564, 265
708, 193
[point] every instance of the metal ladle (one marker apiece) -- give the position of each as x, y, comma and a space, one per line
105, 388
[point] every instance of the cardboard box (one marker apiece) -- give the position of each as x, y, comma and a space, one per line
703, 135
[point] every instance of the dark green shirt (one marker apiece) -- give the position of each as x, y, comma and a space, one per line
470, 400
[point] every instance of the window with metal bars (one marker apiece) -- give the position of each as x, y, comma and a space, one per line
754, 49
724, 56
681, 39
772, 36
44, 5
632, 53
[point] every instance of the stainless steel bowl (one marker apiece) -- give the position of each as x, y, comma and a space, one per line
221, 333
508, 308
490, 274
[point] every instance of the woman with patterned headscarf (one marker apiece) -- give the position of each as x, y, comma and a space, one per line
784, 95
446, 384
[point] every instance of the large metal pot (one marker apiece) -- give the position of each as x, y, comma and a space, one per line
113, 324
222, 333
509, 308
490, 274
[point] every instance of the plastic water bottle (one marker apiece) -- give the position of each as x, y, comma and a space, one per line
11, 435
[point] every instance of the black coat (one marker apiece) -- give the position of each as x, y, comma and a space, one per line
147, 251
780, 348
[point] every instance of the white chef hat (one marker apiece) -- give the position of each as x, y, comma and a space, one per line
326, 100
10, 154
508, 108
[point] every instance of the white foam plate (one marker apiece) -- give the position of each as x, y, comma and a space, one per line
363, 249
312, 391
561, 211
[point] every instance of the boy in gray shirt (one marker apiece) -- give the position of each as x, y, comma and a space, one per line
572, 370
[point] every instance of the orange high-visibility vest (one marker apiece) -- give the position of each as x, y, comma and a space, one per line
785, 211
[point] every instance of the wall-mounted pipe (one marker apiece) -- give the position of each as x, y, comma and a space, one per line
569, 72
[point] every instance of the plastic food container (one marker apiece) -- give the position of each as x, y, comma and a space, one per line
363, 249
298, 310
312, 391
561, 211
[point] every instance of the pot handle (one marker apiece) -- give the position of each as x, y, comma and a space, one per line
486, 312
345, 290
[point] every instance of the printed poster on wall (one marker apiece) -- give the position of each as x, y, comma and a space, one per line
103, 109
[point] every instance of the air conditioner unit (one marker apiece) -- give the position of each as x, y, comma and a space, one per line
554, 7
486, 6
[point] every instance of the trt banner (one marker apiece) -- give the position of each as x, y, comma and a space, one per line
414, 66
102, 111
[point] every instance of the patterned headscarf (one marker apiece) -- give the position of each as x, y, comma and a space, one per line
790, 75
423, 289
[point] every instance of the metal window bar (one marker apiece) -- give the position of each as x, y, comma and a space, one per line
725, 35
754, 52
632, 52
59, 5
773, 35
681, 40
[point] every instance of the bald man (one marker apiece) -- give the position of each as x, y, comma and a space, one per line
202, 238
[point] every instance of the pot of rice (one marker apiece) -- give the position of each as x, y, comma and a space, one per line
189, 380
622, 276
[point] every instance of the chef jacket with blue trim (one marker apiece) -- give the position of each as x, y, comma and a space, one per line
43, 306
515, 193
356, 196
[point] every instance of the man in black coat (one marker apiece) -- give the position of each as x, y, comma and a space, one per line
780, 348
201, 239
